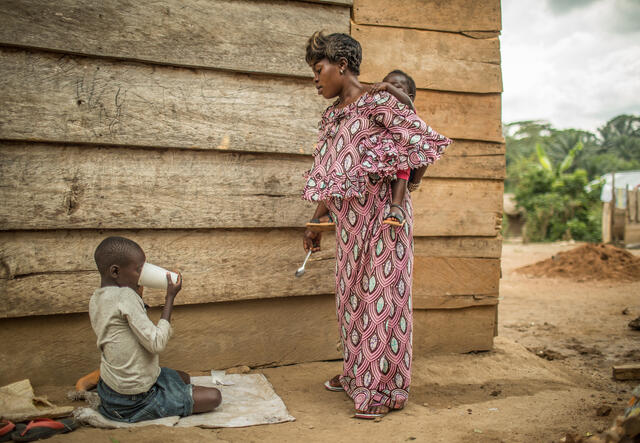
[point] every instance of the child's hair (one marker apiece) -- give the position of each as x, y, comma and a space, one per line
334, 47
115, 250
410, 83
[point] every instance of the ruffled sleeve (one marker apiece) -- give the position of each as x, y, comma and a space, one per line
405, 142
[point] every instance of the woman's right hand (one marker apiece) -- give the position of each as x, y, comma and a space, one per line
311, 240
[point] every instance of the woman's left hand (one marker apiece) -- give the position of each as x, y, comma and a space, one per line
411, 186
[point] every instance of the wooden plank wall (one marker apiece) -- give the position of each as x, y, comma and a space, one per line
452, 51
186, 125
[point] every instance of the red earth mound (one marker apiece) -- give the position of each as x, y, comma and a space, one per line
588, 262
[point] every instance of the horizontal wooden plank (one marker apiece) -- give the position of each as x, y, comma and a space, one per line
486, 166
237, 35
25, 253
444, 207
452, 282
53, 272
441, 61
53, 187
463, 247
626, 372
47, 186
458, 115
440, 15
215, 335
331, 2
453, 330
82, 100
463, 148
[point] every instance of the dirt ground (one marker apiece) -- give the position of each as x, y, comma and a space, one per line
549, 374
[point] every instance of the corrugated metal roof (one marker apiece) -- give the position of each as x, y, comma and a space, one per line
623, 179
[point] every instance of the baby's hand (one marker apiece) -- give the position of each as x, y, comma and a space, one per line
173, 288
377, 87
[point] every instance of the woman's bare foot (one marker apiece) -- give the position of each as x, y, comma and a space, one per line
334, 384
374, 411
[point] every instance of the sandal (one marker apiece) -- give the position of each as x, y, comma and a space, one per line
6, 427
329, 387
315, 225
371, 415
44, 428
395, 220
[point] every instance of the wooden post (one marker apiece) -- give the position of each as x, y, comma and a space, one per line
613, 208
628, 205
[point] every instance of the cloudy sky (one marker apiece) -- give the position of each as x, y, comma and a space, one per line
574, 63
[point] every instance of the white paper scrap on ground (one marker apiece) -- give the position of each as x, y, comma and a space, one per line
218, 378
247, 400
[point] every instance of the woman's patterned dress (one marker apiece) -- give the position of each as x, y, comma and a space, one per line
360, 148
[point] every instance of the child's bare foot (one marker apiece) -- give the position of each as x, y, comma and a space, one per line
334, 384
395, 217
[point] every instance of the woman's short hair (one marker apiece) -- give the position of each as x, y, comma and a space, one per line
333, 47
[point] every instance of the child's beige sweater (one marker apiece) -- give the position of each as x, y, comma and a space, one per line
128, 340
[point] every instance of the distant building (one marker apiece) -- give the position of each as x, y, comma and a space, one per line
620, 212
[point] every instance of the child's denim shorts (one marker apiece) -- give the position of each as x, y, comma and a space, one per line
169, 396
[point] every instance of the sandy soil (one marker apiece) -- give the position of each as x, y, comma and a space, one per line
548, 375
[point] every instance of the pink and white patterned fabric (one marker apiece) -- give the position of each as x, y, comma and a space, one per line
360, 149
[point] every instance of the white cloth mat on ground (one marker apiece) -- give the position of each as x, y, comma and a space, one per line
247, 400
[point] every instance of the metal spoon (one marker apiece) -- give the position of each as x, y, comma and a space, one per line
300, 270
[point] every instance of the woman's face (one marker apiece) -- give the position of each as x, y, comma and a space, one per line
327, 78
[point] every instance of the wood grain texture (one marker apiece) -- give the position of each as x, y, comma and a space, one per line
207, 336
53, 272
463, 148
444, 207
453, 330
71, 187
463, 247
440, 61
439, 15
82, 100
53, 187
451, 282
246, 36
486, 166
462, 116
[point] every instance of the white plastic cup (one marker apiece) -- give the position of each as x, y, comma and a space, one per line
153, 276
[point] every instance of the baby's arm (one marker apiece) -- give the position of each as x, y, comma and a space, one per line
396, 92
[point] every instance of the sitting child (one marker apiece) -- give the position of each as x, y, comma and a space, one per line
402, 87
132, 386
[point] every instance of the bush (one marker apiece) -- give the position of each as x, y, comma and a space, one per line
558, 207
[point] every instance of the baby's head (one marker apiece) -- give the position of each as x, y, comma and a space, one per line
119, 262
402, 80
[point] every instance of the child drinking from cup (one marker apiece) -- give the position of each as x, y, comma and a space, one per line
132, 386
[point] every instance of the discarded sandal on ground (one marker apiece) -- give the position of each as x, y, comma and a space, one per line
371, 415
321, 224
89, 381
44, 428
6, 428
396, 219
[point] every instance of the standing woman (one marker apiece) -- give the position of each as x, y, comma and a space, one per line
365, 142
